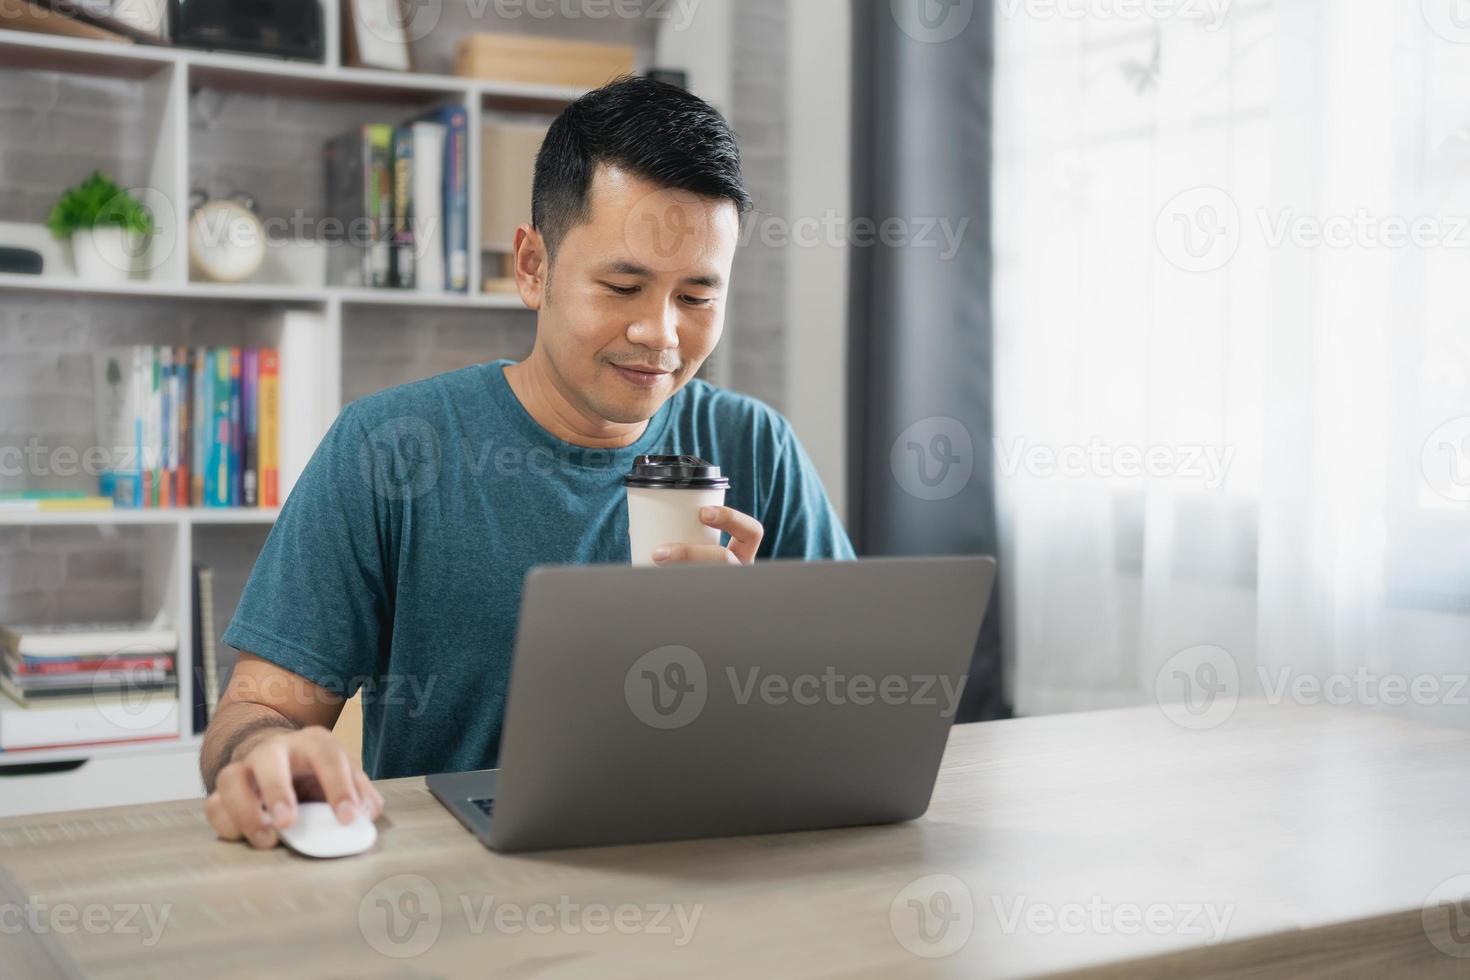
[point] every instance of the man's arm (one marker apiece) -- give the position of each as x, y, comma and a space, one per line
269, 745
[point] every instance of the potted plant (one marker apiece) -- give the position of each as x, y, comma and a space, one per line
108, 227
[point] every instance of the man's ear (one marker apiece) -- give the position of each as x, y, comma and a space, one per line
533, 266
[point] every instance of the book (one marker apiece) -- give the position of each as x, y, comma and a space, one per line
428, 198
217, 476
199, 715
166, 433
199, 460
27, 666
359, 196
453, 193
208, 654
6, 495
57, 504
50, 691
90, 720
249, 439
52, 641
270, 428
152, 428
183, 412
402, 231
236, 432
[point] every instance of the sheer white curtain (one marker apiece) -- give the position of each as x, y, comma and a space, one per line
1232, 308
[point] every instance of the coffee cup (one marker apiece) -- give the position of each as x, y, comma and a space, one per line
665, 494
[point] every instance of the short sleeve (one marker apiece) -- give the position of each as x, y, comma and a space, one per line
316, 602
800, 521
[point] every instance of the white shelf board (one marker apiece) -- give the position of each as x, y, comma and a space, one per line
29, 757
239, 72
156, 516
161, 289
256, 292
409, 297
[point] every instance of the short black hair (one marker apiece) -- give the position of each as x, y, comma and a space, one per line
650, 128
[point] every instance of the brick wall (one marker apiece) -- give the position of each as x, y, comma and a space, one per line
756, 317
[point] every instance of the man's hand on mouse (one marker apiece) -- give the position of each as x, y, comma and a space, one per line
257, 793
745, 539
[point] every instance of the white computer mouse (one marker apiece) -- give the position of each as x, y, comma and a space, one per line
317, 833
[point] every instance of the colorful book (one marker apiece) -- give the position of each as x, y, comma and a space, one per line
153, 430
55, 504
199, 458
250, 444
165, 480
217, 477
86, 666
237, 432
402, 232
183, 409
270, 428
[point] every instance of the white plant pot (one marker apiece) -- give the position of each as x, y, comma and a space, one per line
107, 253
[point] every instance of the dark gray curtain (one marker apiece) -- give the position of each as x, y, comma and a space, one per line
920, 419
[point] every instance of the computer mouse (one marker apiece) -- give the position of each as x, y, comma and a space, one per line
317, 833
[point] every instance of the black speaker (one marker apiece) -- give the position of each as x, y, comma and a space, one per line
23, 260
285, 28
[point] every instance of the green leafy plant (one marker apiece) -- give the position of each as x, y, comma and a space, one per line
98, 201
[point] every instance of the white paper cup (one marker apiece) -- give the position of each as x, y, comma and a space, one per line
665, 494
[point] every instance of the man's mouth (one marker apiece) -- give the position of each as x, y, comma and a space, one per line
641, 375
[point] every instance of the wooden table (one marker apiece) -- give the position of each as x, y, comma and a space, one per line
1301, 842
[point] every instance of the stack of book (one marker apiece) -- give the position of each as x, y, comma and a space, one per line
31, 501
84, 684
401, 195
189, 427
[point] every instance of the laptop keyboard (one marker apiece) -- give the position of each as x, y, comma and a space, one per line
486, 806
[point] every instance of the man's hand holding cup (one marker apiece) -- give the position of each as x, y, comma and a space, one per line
676, 512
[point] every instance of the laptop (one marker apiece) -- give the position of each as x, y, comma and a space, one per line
655, 704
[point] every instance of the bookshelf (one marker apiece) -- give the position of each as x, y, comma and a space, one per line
306, 320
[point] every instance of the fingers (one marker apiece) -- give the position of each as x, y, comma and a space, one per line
219, 817
745, 531
372, 799
244, 814
256, 796
316, 751
745, 540
675, 553
270, 762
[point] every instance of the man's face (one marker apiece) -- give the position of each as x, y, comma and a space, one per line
635, 300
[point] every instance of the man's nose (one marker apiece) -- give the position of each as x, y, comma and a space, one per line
657, 326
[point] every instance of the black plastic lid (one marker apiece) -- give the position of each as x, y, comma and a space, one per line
675, 473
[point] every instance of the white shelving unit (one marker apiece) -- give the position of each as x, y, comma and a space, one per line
305, 322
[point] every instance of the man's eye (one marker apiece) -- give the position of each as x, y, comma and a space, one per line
621, 290
698, 300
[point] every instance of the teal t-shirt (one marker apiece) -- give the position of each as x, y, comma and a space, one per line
397, 563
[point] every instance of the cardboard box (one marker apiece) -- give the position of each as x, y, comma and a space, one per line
540, 60
507, 166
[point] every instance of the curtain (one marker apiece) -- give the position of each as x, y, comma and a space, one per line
1232, 342
919, 372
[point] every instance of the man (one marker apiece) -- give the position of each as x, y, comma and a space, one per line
397, 564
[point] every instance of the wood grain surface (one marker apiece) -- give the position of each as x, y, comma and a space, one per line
1293, 842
